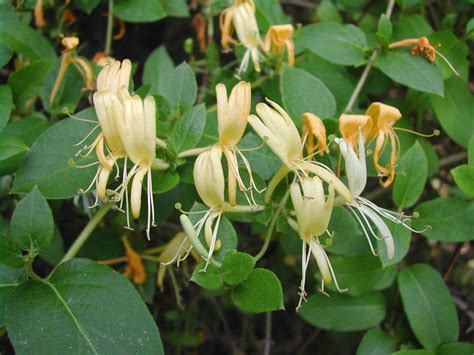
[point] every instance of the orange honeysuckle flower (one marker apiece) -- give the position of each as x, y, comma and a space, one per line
278, 38
39, 14
314, 128
134, 269
199, 25
422, 45
384, 118
349, 126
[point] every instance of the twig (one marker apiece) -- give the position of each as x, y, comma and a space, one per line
268, 333
452, 159
368, 67
452, 261
308, 341
110, 26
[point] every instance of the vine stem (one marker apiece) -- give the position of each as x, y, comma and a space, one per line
271, 227
369, 65
86, 232
110, 26
268, 333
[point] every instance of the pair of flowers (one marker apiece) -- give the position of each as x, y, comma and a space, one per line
241, 18
128, 132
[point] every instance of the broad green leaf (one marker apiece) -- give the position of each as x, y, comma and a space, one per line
455, 111
6, 105
6, 55
164, 181
376, 342
407, 3
139, 10
346, 232
385, 26
428, 306
342, 313
401, 240
327, 11
32, 224
176, 8
29, 80
455, 51
10, 253
260, 292
414, 352
361, 274
24, 40
181, 88
302, 92
456, 348
412, 71
269, 12
54, 252
410, 180
449, 218
188, 129
236, 267
96, 310
9, 279
262, 160
12, 151
464, 178
48, 165
412, 26
210, 278
86, 5
470, 153
340, 44
28, 128
157, 69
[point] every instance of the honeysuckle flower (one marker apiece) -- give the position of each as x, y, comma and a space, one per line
241, 17
351, 125
364, 210
177, 250
313, 213
279, 132
314, 128
278, 38
134, 269
209, 181
384, 118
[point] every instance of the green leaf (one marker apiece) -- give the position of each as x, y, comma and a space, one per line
327, 11
6, 55
86, 5
361, 274
158, 67
139, 10
412, 26
48, 164
9, 279
385, 26
10, 253
302, 92
260, 292
342, 313
6, 105
414, 352
24, 40
470, 153
464, 178
12, 151
96, 310
345, 230
455, 111
269, 12
176, 8
54, 252
407, 3
29, 80
188, 129
412, 173
428, 306
210, 279
181, 88
32, 224
455, 348
412, 71
164, 181
236, 267
376, 342
262, 160
340, 44
401, 240
449, 218
28, 129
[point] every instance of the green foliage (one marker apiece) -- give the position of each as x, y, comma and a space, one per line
237, 267
139, 10
12, 151
188, 129
209, 277
10, 253
428, 306
464, 178
376, 342
181, 88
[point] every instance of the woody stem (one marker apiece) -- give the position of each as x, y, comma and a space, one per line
368, 67
271, 227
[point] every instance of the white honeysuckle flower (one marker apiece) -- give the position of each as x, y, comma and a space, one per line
114, 77
313, 214
278, 131
365, 211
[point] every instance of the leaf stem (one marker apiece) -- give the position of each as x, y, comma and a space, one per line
110, 26
271, 227
368, 67
86, 232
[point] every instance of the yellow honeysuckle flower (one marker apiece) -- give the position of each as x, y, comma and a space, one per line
241, 17
350, 125
278, 38
313, 213
314, 128
384, 117
279, 132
